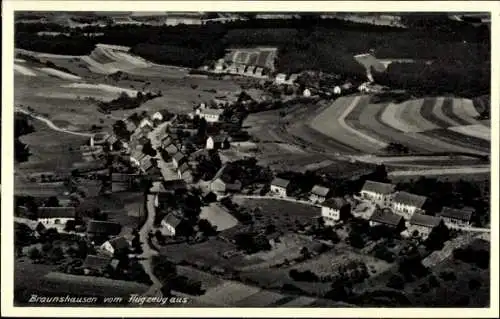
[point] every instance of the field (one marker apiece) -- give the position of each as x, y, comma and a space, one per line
262, 57
218, 217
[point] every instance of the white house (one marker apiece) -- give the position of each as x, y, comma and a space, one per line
115, 244
334, 209
387, 218
307, 93
319, 194
279, 187
405, 204
280, 78
423, 224
337, 90
178, 159
210, 115
146, 122
454, 217
217, 142
52, 216
157, 116
378, 193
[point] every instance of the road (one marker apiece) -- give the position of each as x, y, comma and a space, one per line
288, 199
50, 123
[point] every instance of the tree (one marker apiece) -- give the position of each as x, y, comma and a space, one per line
396, 282
474, 284
206, 227
56, 254
202, 129
70, 225
34, 253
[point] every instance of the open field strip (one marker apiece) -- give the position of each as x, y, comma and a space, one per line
478, 131
465, 109
228, 293
97, 67
16, 60
461, 142
46, 55
443, 144
24, 70
60, 74
103, 87
442, 171
260, 299
437, 113
412, 114
338, 111
301, 301
392, 116
449, 110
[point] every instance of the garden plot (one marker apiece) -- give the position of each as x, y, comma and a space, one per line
331, 123
477, 130
218, 217
21, 69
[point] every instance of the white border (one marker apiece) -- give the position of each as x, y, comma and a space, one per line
374, 6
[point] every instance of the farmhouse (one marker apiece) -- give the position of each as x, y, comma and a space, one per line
95, 263
99, 138
166, 189
210, 115
102, 228
319, 194
280, 78
115, 244
146, 123
146, 162
405, 204
423, 224
378, 193
217, 142
50, 216
222, 183
280, 187
184, 172
172, 224
387, 218
454, 217
335, 209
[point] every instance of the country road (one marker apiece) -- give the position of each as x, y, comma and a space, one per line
51, 124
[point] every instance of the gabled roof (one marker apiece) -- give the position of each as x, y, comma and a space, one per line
377, 187
184, 167
320, 190
179, 157
56, 212
119, 242
409, 199
335, 203
387, 217
172, 220
280, 182
96, 262
464, 214
424, 220
220, 138
102, 227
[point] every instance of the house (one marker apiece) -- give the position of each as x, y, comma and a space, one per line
171, 223
210, 115
335, 209
167, 188
319, 194
99, 228
280, 187
337, 90
146, 123
258, 71
454, 217
96, 264
99, 138
157, 116
115, 244
146, 162
52, 216
217, 142
182, 169
280, 78
307, 93
423, 224
222, 183
405, 204
178, 159
378, 193
387, 218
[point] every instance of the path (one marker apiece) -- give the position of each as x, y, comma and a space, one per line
50, 124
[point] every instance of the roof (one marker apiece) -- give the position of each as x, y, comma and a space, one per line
96, 262
179, 156
454, 213
102, 227
219, 138
409, 199
280, 182
377, 187
172, 220
212, 111
183, 168
424, 220
320, 190
385, 216
119, 242
335, 203
56, 212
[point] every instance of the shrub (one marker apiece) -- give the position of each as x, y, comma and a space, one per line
396, 282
